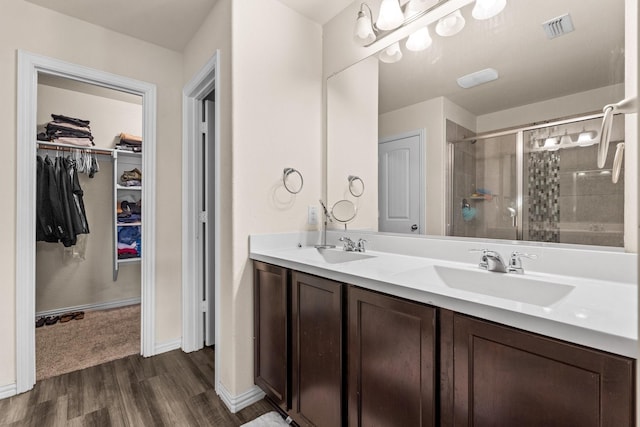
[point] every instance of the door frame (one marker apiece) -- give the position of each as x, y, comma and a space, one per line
422, 185
29, 65
205, 81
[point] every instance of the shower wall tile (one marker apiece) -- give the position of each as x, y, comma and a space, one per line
607, 209
590, 184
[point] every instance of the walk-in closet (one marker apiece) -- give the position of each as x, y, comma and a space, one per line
88, 282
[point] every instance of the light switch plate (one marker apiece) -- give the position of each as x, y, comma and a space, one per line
312, 215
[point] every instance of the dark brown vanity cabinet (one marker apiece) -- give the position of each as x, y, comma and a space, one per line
392, 361
508, 377
270, 286
317, 349
334, 355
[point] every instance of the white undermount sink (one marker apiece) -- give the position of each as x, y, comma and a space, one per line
502, 285
337, 256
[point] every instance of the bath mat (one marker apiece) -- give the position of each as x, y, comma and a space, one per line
270, 419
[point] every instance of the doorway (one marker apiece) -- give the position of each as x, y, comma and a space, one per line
401, 183
29, 67
201, 212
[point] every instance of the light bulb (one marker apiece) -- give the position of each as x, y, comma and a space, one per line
413, 7
391, 54
485, 9
566, 140
586, 137
390, 16
363, 33
420, 40
451, 24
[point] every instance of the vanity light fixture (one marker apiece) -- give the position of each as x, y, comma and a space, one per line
420, 40
477, 78
566, 139
413, 7
451, 24
551, 143
587, 138
390, 16
364, 33
391, 54
486, 9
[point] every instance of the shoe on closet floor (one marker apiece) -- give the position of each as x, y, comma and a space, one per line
41, 321
66, 317
52, 320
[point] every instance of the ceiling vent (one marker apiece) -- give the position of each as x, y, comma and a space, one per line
559, 26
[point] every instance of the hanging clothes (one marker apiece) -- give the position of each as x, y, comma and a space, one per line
60, 211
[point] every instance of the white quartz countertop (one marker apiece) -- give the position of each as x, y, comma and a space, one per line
595, 313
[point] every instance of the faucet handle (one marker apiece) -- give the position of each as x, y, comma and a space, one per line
360, 245
484, 264
515, 263
349, 244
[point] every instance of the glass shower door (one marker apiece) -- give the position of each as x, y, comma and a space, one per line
566, 197
485, 193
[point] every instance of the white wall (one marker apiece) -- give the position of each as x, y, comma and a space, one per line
63, 281
427, 115
571, 105
352, 114
277, 110
273, 122
38, 30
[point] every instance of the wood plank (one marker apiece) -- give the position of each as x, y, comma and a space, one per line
173, 388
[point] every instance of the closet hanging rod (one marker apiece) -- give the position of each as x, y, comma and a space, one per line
68, 147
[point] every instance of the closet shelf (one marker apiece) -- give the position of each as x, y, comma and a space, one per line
128, 260
124, 187
124, 162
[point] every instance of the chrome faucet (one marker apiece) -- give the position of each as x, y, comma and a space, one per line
515, 263
327, 218
360, 245
491, 261
349, 245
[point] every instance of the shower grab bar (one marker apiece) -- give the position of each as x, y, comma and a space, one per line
626, 106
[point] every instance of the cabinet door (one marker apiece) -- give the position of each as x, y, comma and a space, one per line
507, 377
391, 361
316, 313
270, 329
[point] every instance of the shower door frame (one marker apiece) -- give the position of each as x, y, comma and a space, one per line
519, 134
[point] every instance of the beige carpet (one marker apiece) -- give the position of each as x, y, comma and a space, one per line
100, 337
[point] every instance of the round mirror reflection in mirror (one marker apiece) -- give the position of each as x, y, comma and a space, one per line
343, 211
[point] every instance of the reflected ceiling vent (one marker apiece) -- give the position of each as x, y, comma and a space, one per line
559, 26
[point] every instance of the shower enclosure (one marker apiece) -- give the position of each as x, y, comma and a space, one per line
536, 183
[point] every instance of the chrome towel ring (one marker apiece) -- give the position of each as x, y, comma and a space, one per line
356, 185
289, 183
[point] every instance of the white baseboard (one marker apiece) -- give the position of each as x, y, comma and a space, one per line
241, 401
8, 390
167, 346
90, 307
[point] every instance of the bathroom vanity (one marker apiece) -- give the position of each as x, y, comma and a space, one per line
385, 338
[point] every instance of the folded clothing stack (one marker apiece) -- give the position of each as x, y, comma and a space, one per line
67, 130
132, 178
129, 142
129, 212
129, 242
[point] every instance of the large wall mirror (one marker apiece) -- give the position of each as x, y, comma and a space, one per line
441, 159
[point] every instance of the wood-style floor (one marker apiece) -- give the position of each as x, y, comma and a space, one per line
171, 389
